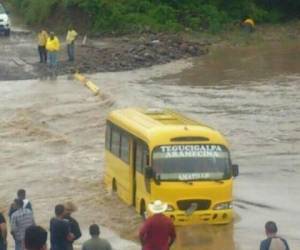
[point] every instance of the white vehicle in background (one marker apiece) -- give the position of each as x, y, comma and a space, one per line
4, 21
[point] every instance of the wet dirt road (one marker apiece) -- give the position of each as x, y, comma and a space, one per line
51, 137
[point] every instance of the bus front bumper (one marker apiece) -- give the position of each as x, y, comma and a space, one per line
201, 217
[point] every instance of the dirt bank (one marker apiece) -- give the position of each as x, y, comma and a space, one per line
127, 53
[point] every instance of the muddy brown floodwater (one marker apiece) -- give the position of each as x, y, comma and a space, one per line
51, 138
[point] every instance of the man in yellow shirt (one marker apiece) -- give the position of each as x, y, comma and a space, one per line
53, 47
70, 39
248, 25
42, 40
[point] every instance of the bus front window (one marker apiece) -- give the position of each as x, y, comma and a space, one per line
191, 162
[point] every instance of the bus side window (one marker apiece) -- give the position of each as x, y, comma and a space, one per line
124, 154
138, 158
108, 137
115, 142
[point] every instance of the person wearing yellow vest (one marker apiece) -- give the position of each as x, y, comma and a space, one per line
70, 39
42, 40
248, 25
53, 47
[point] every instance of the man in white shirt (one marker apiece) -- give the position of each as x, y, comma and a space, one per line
273, 241
20, 220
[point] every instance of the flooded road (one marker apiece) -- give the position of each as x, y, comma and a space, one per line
51, 136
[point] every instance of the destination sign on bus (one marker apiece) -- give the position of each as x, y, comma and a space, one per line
186, 151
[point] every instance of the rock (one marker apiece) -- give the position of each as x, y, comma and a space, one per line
148, 56
172, 55
138, 58
130, 50
141, 48
184, 47
192, 50
155, 42
142, 39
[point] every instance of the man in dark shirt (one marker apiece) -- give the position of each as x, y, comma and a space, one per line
60, 234
21, 194
158, 231
74, 225
273, 242
96, 243
3, 233
35, 238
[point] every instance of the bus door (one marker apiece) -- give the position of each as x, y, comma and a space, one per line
134, 162
141, 154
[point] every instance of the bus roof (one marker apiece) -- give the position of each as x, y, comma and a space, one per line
150, 124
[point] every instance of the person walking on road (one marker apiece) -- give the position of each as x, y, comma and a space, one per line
35, 238
42, 40
60, 234
3, 233
70, 39
96, 243
158, 231
273, 242
53, 47
20, 220
74, 225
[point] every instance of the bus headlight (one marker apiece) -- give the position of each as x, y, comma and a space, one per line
223, 206
170, 208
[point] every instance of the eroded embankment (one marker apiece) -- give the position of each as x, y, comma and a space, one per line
20, 60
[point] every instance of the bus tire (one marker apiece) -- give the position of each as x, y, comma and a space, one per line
143, 209
114, 186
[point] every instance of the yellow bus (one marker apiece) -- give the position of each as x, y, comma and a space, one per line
153, 154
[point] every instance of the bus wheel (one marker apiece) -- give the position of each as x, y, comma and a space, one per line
143, 209
114, 185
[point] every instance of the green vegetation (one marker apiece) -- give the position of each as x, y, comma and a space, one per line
125, 16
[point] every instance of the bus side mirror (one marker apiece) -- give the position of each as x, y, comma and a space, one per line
235, 170
148, 172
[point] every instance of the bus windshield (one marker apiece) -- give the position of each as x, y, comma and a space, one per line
191, 162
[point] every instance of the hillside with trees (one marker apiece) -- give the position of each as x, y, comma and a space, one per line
130, 16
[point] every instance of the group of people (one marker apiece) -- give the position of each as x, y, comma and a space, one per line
49, 46
64, 229
157, 232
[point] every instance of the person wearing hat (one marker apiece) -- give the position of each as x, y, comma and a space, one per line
158, 231
74, 225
